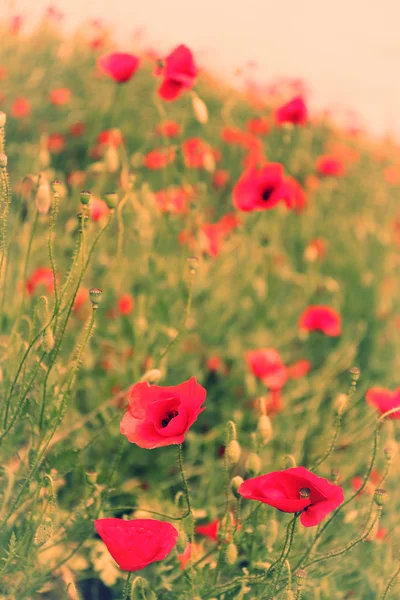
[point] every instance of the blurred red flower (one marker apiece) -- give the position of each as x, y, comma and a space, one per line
220, 179
294, 112
41, 276
260, 189
267, 365
120, 66
21, 107
384, 400
60, 96
329, 165
55, 143
113, 137
159, 158
294, 195
126, 304
321, 318
136, 543
295, 490
168, 129
196, 151
258, 126
210, 530
98, 209
77, 129
179, 73
160, 416
299, 369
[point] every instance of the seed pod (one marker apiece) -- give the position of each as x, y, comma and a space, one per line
355, 373
265, 428
380, 497
111, 199
95, 296
236, 482
253, 464
301, 577
91, 477
231, 554
84, 197
56, 186
232, 453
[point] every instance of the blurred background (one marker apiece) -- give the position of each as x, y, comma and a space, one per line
346, 52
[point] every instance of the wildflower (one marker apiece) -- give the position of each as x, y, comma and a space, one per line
294, 112
179, 73
160, 416
267, 365
321, 318
220, 179
43, 198
120, 66
210, 530
329, 165
258, 126
295, 490
60, 96
41, 276
126, 304
136, 543
384, 400
98, 209
21, 107
159, 159
169, 129
260, 189
196, 153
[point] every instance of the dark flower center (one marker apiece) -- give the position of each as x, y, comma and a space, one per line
171, 414
266, 194
304, 493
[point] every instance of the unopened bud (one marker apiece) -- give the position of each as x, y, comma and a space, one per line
111, 159
193, 263
84, 197
182, 541
199, 109
232, 453
209, 162
301, 577
152, 376
48, 340
265, 428
355, 373
95, 296
253, 464
341, 403
390, 450
43, 198
91, 477
56, 186
236, 482
3, 160
335, 473
231, 554
111, 199
380, 497
3, 118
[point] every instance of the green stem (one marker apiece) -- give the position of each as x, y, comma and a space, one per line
284, 555
126, 592
390, 583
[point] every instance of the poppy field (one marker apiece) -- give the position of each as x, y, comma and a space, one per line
200, 317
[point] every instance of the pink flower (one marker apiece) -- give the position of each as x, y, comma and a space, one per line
126, 304
137, 543
160, 416
120, 66
98, 209
294, 112
295, 490
42, 276
321, 318
159, 159
179, 73
260, 189
267, 365
329, 165
384, 400
210, 530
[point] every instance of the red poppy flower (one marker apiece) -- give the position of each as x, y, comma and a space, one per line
190, 550
295, 490
159, 159
299, 369
214, 363
316, 249
20, 108
126, 304
169, 129
294, 195
294, 112
195, 152
55, 143
213, 234
77, 129
98, 209
112, 137
260, 189
220, 179
160, 416
258, 126
81, 298
210, 530
233, 136
329, 165
60, 96
120, 66
392, 175
137, 543
179, 73
174, 199
42, 276
267, 365
383, 400
321, 318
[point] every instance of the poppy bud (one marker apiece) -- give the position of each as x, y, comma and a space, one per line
43, 198
111, 200
232, 453
341, 403
236, 482
253, 464
3, 118
209, 162
265, 429
84, 197
3, 160
91, 478
56, 186
112, 159
199, 109
231, 554
271, 534
390, 450
95, 296
335, 475
152, 376
43, 533
355, 374
380, 497
193, 263
48, 340
301, 577
182, 541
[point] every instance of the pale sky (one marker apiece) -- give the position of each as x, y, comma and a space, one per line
348, 51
